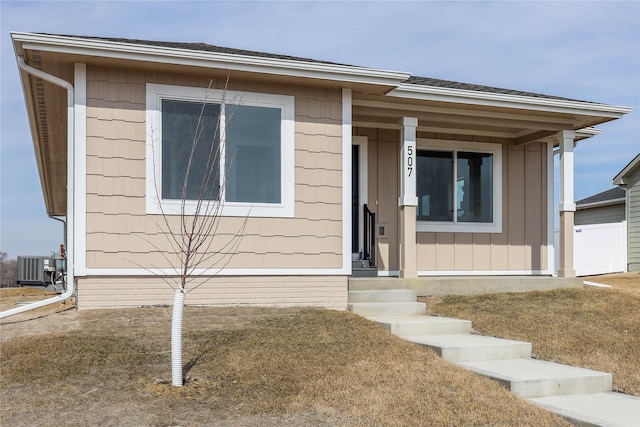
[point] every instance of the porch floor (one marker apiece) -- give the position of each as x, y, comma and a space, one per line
465, 285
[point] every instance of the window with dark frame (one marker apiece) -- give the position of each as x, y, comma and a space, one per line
468, 198
246, 159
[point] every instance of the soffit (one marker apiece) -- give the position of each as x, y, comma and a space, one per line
522, 125
49, 129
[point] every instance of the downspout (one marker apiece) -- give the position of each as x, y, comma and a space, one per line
70, 189
64, 225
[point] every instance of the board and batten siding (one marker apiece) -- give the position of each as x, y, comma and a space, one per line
121, 235
521, 246
633, 221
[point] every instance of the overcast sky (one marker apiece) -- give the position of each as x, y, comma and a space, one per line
581, 50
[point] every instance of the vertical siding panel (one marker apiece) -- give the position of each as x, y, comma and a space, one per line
481, 251
517, 212
534, 205
445, 251
388, 153
463, 251
544, 203
500, 241
426, 251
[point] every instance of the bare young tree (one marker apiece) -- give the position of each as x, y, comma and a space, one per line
197, 190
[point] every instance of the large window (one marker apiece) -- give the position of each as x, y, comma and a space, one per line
229, 147
190, 150
458, 186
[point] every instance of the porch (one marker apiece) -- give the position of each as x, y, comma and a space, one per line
462, 189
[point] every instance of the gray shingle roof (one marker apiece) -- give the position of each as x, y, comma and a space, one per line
449, 84
606, 196
414, 80
202, 47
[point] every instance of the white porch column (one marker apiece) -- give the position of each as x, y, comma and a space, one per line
408, 200
567, 206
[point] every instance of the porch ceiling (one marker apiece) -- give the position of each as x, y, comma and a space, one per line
521, 125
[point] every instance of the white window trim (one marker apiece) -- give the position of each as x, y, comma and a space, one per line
157, 92
468, 227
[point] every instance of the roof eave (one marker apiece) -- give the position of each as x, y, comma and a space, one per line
600, 204
35, 138
433, 93
620, 178
205, 59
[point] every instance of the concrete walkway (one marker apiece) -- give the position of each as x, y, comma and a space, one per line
582, 396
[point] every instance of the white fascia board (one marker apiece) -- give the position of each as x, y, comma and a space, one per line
224, 61
620, 178
461, 96
588, 132
602, 203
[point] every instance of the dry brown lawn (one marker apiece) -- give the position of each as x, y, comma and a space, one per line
625, 282
13, 297
596, 328
245, 367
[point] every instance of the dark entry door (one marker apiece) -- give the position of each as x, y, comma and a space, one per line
355, 200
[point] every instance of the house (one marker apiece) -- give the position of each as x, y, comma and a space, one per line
600, 233
459, 176
602, 208
629, 178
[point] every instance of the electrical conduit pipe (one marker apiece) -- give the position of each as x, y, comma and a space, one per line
70, 180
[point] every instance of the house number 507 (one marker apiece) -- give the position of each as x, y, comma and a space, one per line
409, 160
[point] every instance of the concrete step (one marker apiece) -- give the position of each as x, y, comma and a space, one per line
536, 378
422, 325
391, 295
595, 409
467, 348
367, 309
582, 396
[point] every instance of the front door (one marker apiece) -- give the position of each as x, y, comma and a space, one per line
355, 199
359, 178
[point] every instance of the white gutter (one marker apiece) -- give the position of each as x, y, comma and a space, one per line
70, 200
226, 61
465, 96
602, 203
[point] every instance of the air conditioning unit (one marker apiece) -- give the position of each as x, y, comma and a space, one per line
31, 270
40, 271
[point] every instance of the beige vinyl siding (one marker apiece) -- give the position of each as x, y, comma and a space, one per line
633, 222
280, 291
121, 235
600, 214
520, 247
